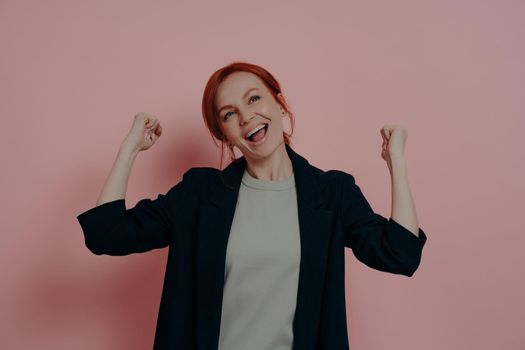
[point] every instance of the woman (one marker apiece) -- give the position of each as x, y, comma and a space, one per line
256, 250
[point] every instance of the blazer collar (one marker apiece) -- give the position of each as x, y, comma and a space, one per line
308, 190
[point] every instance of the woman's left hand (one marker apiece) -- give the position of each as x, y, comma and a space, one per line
394, 139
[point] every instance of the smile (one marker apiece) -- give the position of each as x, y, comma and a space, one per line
258, 137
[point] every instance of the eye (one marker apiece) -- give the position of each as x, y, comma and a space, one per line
226, 116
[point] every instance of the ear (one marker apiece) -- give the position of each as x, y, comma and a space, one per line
282, 103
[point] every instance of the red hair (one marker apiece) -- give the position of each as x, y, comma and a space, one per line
209, 108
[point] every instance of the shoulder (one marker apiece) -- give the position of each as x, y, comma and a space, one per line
200, 173
197, 176
323, 176
330, 181
331, 177
334, 184
201, 178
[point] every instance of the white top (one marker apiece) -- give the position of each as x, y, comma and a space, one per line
262, 267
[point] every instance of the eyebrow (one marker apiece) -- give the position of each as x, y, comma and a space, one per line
243, 96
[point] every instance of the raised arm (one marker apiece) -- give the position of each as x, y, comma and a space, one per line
378, 242
110, 228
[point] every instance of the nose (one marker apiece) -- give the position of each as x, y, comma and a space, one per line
245, 116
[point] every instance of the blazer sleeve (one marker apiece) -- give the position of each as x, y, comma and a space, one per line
380, 243
111, 229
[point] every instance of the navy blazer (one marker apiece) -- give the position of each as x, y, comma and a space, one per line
194, 218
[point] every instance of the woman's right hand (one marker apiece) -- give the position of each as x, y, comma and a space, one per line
144, 132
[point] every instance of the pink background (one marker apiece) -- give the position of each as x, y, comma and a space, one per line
74, 73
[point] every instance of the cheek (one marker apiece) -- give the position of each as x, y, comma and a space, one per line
277, 121
226, 133
231, 132
266, 108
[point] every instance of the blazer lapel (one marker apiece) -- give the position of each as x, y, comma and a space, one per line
215, 220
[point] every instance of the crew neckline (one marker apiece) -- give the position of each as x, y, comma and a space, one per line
260, 184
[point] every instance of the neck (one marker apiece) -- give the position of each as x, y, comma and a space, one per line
276, 167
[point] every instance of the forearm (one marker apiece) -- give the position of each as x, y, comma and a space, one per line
117, 181
403, 207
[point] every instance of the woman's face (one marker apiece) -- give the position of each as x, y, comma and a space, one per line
244, 103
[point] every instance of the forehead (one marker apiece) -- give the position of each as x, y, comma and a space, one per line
235, 85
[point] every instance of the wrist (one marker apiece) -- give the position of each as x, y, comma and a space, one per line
397, 156
128, 149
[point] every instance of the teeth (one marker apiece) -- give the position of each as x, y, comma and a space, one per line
257, 128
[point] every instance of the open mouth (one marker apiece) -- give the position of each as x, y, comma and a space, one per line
259, 135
